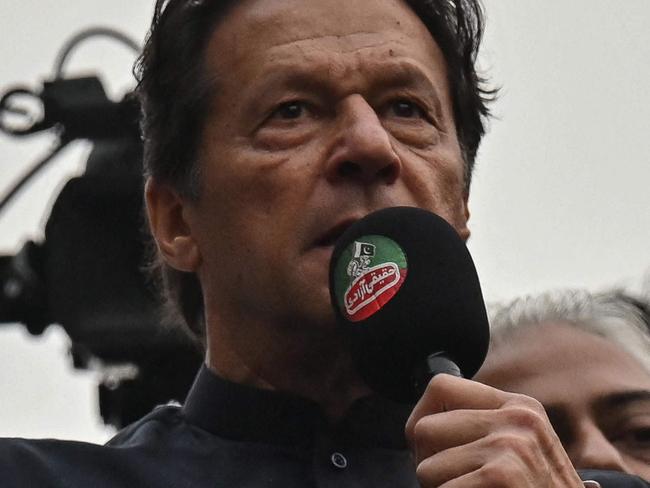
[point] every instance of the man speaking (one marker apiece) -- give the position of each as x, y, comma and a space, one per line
270, 126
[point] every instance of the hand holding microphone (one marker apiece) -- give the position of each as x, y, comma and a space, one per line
466, 434
408, 299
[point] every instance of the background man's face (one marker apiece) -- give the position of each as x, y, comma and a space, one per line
597, 395
323, 112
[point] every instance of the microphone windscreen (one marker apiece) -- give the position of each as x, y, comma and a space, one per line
404, 287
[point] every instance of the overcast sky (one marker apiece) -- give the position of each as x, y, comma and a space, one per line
560, 195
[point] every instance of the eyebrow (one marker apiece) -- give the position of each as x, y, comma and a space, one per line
624, 398
606, 402
390, 75
405, 75
560, 415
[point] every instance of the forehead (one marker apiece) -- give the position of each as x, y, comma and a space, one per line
556, 361
256, 32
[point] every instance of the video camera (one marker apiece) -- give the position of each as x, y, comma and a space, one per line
88, 273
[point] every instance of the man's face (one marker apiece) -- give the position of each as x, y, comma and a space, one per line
322, 113
597, 395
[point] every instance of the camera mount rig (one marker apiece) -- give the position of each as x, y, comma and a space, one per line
87, 275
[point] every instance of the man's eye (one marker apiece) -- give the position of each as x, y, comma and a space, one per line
406, 109
640, 436
289, 111
636, 441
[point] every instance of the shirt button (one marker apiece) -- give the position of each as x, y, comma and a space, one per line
339, 460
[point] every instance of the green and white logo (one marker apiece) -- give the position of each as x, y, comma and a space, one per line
368, 274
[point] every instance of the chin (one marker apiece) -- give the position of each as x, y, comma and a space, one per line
306, 297
314, 316
321, 316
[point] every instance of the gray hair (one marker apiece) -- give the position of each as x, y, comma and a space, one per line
616, 316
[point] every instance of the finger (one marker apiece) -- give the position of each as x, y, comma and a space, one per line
502, 474
482, 436
449, 464
445, 392
477, 479
448, 393
435, 433
470, 480
517, 428
485, 471
517, 451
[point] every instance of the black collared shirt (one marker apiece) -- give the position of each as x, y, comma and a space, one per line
228, 435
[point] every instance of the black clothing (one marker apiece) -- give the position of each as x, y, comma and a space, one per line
613, 479
229, 435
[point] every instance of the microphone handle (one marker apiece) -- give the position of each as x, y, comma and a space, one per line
436, 363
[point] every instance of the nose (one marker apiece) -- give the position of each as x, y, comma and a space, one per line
592, 450
362, 149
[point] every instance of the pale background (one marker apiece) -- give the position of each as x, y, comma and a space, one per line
560, 196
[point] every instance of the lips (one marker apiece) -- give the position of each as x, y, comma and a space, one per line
329, 238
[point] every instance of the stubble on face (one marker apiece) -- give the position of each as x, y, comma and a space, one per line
270, 187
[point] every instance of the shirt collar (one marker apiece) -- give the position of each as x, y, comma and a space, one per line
244, 413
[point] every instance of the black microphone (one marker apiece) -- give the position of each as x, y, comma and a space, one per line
407, 297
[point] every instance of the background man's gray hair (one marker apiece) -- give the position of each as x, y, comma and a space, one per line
615, 315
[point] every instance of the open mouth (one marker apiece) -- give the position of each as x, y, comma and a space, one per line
331, 236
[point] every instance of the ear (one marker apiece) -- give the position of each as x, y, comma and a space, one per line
463, 230
166, 210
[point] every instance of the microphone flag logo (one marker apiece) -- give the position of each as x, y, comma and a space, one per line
369, 273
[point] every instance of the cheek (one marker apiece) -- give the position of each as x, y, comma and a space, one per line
257, 198
437, 183
243, 188
638, 467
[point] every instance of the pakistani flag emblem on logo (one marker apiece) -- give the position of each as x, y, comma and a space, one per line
370, 271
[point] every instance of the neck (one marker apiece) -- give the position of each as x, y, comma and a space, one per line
312, 365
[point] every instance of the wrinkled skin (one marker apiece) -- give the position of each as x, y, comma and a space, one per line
596, 394
322, 113
320, 120
465, 434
